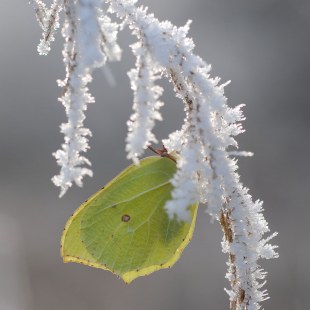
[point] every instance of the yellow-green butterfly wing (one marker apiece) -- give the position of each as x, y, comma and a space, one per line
124, 228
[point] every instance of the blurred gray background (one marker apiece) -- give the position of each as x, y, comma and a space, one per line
263, 46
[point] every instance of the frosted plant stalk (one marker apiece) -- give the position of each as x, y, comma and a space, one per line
90, 40
49, 21
206, 165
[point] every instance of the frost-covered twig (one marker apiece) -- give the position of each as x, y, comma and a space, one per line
146, 103
90, 40
207, 168
49, 21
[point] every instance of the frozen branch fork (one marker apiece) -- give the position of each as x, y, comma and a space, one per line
207, 171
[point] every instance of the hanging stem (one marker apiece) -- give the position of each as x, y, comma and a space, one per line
226, 224
162, 152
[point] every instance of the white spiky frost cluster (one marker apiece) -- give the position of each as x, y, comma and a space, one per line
207, 168
90, 41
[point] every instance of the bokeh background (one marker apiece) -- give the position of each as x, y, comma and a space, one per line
263, 47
